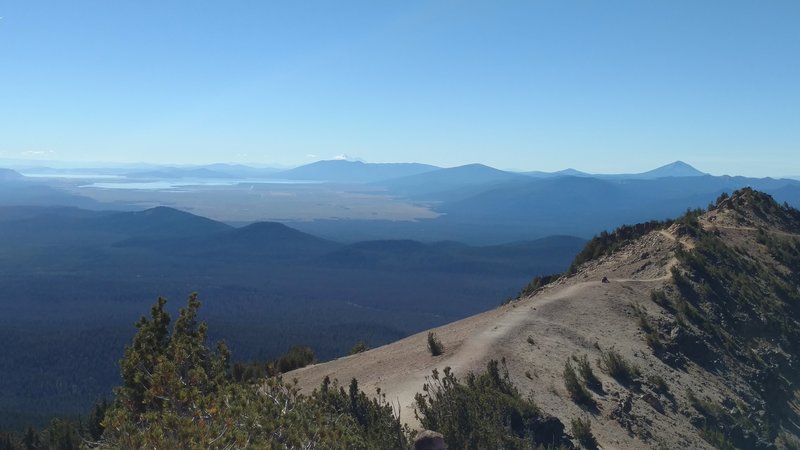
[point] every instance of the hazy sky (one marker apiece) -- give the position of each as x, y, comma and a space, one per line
601, 86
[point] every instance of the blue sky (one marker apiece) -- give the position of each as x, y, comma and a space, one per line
539, 85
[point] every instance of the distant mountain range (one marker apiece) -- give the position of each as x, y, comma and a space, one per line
410, 177
671, 170
480, 203
573, 205
346, 171
476, 203
343, 171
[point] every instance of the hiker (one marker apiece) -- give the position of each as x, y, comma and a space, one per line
429, 440
605, 280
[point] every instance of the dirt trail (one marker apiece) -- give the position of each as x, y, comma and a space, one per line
464, 351
475, 348
740, 228
688, 244
469, 343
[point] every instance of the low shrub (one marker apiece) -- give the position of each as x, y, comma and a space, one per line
577, 392
581, 430
586, 372
434, 344
660, 299
296, 358
658, 384
618, 367
654, 342
485, 411
360, 347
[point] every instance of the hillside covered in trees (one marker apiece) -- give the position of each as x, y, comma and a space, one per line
73, 282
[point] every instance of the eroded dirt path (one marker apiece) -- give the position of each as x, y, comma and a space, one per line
406, 365
475, 349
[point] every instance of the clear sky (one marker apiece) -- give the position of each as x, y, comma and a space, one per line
601, 86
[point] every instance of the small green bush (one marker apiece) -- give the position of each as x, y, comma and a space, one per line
660, 299
654, 342
360, 347
577, 392
484, 411
586, 372
582, 432
537, 283
644, 320
296, 358
434, 344
658, 384
618, 367
717, 438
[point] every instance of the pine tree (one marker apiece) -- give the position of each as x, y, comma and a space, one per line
169, 379
141, 357
31, 440
178, 393
5, 442
94, 425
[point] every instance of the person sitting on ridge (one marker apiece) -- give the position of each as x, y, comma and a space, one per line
429, 440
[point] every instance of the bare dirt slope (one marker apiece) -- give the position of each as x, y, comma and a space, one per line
574, 316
